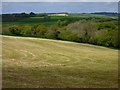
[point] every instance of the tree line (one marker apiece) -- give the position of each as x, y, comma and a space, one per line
17, 16
83, 31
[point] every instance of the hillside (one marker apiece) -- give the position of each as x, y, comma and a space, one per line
34, 62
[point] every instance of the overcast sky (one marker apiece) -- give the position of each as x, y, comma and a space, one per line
55, 7
60, 0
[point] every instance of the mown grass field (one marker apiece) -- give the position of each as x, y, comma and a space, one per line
34, 62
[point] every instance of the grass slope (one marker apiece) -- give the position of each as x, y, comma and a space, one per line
34, 62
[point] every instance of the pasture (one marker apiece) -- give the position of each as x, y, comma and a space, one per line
51, 20
35, 62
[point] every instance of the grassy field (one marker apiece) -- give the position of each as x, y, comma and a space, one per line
93, 16
53, 19
35, 62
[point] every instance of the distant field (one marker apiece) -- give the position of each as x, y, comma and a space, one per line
35, 62
93, 15
53, 19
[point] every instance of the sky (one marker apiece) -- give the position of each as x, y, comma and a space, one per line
60, 0
56, 7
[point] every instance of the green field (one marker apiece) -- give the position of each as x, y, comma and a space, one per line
53, 19
93, 16
36, 62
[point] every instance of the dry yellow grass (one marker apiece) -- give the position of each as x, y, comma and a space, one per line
58, 15
35, 62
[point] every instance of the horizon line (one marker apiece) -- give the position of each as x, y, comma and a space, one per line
59, 12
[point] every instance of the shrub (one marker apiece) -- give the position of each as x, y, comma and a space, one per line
67, 35
15, 30
39, 30
52, 32
26, 30
107, 25
85, 30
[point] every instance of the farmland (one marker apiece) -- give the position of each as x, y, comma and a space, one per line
82, 28
51, 20
47, 45
35, 62
56, 51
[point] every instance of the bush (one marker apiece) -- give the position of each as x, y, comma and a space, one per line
67, 35
39, 30
62, 23
26, 30
15, 30
107, 38
85, 31
52, 32
107, 25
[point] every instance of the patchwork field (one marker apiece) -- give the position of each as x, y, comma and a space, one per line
53, 19
34, 62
